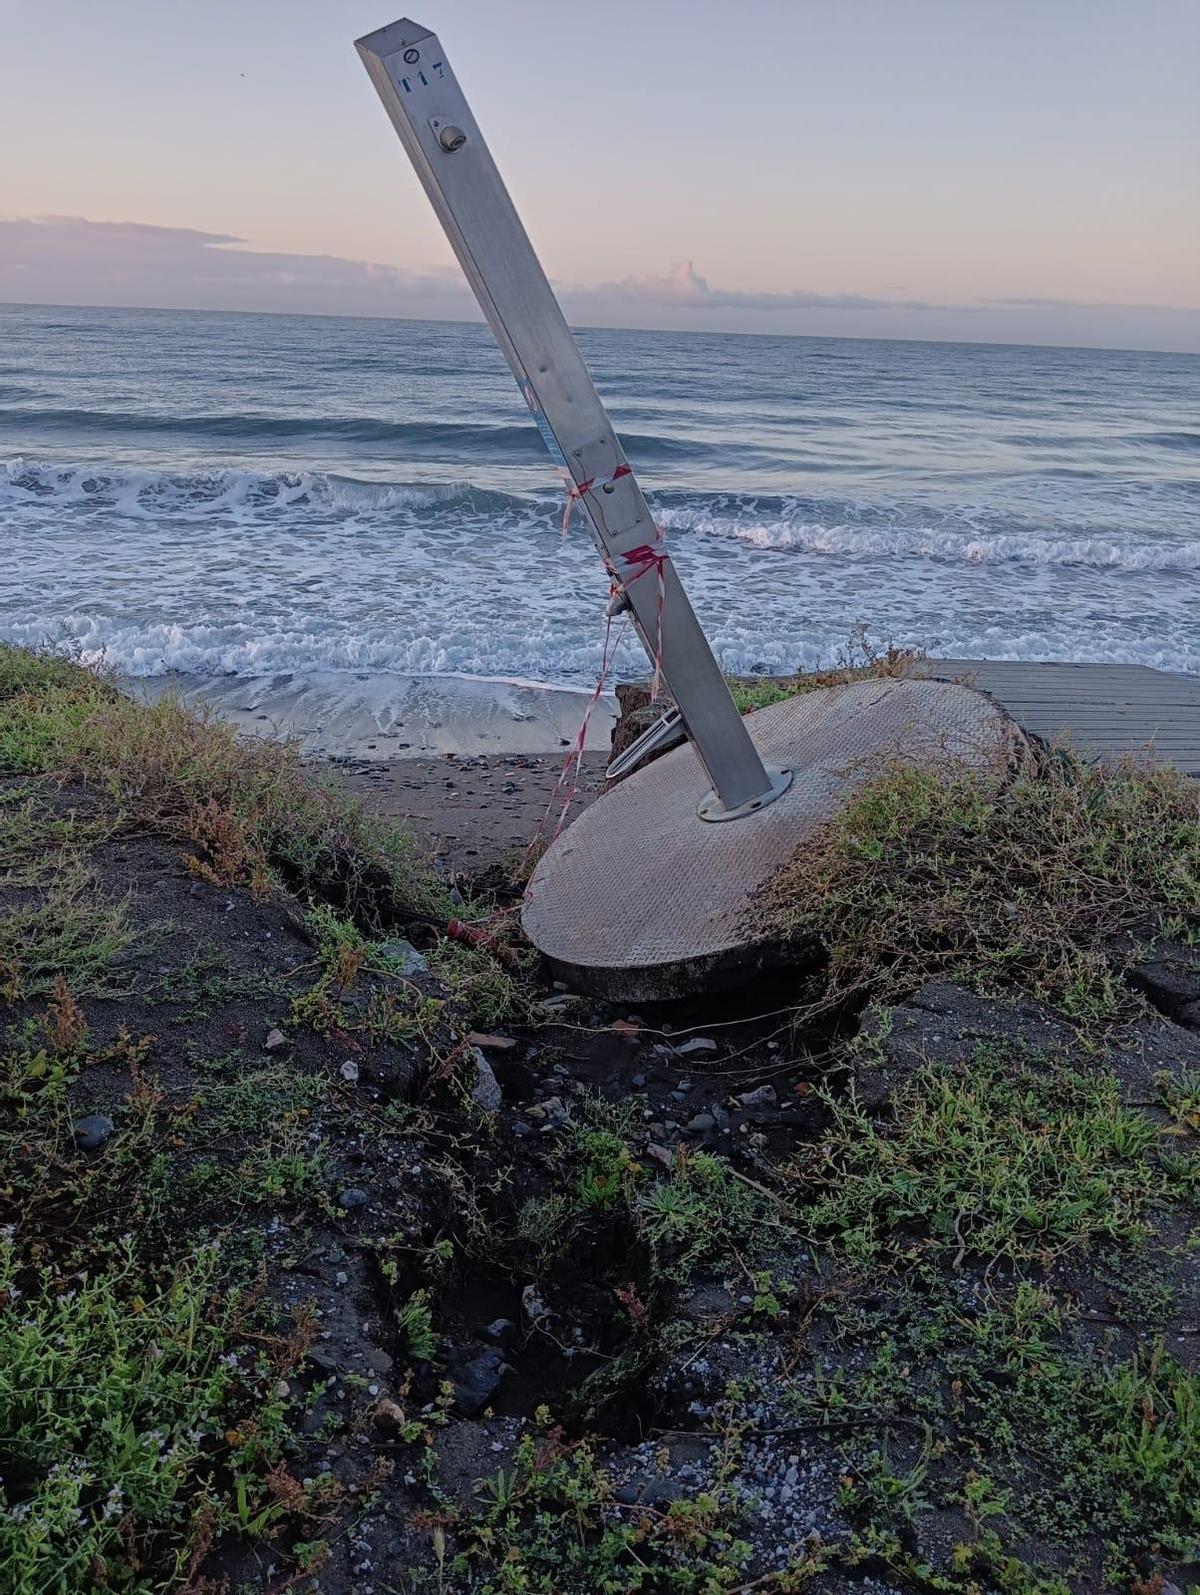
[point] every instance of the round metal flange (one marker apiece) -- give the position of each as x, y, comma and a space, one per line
711, 808
641, 899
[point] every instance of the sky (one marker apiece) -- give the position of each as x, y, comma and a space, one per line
989, 170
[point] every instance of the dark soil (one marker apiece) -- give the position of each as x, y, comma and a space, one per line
631, 1320
473, 811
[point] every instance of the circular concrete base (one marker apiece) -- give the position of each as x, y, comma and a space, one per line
640, 899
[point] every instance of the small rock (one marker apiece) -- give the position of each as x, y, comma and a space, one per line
493, 1043
1169, 977
349, 1071
485, 1093
92, 1131
660, 1154
555, 1112
403, 957
475, 1378
763, 1096
275, 1040
638, 1081
282, 1389
353, 1196
701, 1123
501, 1330
535, 1308
696, 1044
388, 1414
706, 1304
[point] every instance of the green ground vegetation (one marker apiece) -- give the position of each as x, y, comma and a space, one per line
969, 1306
1010, 1157
249, 812
145, 1409
860, 659
1001, 879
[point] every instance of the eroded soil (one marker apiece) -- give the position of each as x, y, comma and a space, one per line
686, 1310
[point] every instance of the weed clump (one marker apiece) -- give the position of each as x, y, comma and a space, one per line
250, 811
124, 1400
996, 879
1010, 1158
548, 1522
860, 659
492, 992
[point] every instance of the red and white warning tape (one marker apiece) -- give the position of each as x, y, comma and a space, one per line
645, 558
576, 491
635, 563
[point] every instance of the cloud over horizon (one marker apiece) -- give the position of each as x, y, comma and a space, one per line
55, 259
72, 260
684, 288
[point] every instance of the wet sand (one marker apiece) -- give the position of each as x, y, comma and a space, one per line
472, 812
472, 763
384, 715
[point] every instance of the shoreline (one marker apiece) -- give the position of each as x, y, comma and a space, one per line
472, 763
380, 715
469, 764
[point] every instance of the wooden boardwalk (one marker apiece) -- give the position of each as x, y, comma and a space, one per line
1104, 709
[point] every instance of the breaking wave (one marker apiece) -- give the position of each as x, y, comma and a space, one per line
773, 524
191, 495
250, 494
943, 543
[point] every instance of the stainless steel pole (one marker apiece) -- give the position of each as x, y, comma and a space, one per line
430, 113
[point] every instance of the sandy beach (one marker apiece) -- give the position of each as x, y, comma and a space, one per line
471, 765
473, 812
387, 714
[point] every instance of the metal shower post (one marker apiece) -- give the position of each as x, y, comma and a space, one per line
430, 113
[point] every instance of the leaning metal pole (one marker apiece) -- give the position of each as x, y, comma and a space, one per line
430, 113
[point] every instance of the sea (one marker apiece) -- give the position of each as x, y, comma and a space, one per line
225, 494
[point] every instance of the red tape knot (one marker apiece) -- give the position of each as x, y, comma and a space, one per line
648, 557
577, 492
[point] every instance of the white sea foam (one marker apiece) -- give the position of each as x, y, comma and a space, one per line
34, 493
211, 650
253, 572
942, 543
